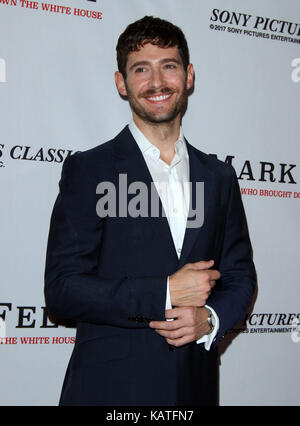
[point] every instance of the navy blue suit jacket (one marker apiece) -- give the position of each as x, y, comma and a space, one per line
110, 275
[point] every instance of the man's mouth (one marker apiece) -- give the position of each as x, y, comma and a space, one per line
158, 98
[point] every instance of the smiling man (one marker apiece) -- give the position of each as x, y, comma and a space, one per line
151, 295
156, 84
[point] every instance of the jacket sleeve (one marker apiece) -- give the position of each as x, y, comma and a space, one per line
74, 288
234, 292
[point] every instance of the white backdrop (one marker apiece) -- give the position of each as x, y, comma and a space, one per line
57, 95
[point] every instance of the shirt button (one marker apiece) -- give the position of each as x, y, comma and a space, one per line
175, 210
179, 250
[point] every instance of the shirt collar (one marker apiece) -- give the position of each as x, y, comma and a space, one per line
147, 148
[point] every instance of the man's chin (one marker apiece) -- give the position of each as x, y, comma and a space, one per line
158, 118
165, 120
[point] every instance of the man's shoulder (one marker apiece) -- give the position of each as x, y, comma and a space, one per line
101, 154
212, 163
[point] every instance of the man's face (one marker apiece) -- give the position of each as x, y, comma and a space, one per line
156, 83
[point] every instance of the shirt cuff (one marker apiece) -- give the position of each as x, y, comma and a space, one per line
168, 299
209, 338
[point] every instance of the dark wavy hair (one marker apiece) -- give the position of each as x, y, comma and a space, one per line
152, 30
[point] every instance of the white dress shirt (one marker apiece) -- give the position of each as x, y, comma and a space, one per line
171, 182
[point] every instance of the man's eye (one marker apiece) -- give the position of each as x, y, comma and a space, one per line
170, 66
140, 69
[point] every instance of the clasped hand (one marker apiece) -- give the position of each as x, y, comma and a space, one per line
190, 287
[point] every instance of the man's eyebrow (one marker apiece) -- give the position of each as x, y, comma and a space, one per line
138, 64
177, 61
162, 61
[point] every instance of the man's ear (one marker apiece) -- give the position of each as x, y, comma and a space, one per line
190, 77
120, 83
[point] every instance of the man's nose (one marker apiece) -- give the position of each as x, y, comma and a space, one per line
156, 79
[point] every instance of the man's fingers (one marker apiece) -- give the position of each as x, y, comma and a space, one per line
182, 330
175, 314
166, 325
181, 341
172, 313
173, 334
213, 274
201, 265
212, 283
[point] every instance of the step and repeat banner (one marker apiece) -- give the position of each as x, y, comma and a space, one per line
58, 96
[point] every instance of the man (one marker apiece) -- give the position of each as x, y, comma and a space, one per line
152, 294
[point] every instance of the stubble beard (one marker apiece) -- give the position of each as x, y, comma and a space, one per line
158, 118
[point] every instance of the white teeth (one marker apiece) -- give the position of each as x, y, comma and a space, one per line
159, 98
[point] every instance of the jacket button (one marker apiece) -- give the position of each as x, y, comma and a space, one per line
139, 319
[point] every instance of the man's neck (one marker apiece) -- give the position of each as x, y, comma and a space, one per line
162, 135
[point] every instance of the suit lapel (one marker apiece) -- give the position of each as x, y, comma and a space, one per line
129, 160
199, 172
